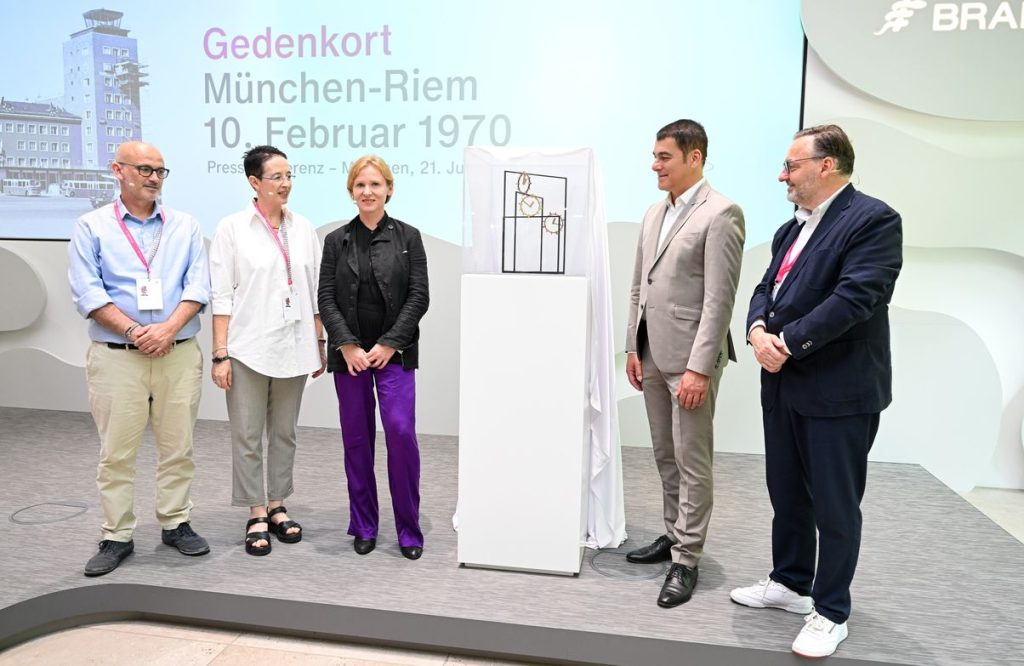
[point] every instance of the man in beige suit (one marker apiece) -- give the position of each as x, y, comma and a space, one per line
684, 283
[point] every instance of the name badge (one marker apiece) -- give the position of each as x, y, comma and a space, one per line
291, 307
149, 294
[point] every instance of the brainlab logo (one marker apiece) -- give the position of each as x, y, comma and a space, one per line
948, 16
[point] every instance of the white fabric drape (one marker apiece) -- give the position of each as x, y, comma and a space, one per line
586, 254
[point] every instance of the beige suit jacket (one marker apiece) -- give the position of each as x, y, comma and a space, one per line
682, 294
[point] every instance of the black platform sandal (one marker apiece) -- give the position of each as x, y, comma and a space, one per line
281, 528
252, 537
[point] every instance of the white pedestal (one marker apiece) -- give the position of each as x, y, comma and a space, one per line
523, 428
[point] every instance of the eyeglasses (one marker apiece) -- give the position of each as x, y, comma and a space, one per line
146, 171
278, 177
787, 165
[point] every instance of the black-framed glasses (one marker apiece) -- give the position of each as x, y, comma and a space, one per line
787, 165
278, 177
146, 171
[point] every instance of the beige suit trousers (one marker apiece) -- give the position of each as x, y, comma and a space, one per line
683, 451
127, 389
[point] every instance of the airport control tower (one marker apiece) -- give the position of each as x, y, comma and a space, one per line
102, 79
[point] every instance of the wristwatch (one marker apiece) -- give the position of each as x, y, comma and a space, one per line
220, 359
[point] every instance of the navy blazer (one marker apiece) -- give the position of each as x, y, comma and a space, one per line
833, 309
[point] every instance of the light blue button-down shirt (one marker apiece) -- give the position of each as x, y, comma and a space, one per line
104, 268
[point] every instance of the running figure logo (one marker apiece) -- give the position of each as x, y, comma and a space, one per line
899, 16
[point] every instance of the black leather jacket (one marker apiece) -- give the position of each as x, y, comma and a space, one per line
400, 268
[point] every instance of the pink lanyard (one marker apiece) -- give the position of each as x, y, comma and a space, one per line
283, 247
787, 262
131, 239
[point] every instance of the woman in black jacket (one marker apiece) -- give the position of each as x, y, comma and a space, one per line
373, 293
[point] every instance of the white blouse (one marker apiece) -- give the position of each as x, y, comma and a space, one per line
250, 283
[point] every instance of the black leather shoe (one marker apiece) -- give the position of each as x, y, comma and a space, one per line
363, 546
109, 556
184, 538
411, 552
659, 551
678, 587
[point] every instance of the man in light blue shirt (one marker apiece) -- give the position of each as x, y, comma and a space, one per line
139, 273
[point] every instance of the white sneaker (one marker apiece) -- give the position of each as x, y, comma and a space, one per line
820, 636
769, 594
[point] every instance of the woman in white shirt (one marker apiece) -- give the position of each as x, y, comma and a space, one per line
267, 337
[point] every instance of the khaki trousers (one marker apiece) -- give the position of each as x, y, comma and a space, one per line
127, 389
683, 451
256, 401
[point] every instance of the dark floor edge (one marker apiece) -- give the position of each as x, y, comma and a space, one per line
113, 602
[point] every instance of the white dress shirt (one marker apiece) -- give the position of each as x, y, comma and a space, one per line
809, 220
674, 210
250, 283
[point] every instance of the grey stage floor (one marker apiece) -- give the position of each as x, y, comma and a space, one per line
938, 583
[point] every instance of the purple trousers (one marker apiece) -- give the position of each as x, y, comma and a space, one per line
396, 390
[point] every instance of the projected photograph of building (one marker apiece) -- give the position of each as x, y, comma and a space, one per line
55, 153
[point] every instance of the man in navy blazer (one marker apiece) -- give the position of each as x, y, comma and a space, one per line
819, 326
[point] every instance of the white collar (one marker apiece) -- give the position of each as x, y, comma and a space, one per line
803, 215
685, 198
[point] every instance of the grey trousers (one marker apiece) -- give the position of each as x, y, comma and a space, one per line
257, 402
683, 442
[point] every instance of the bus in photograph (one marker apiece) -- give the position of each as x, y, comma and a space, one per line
21, 187
87, 189
98, 192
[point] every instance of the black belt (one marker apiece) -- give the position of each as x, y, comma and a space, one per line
125, 345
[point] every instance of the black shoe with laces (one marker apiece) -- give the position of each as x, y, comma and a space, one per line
109, 556
678, 587
184, 538
659, 551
